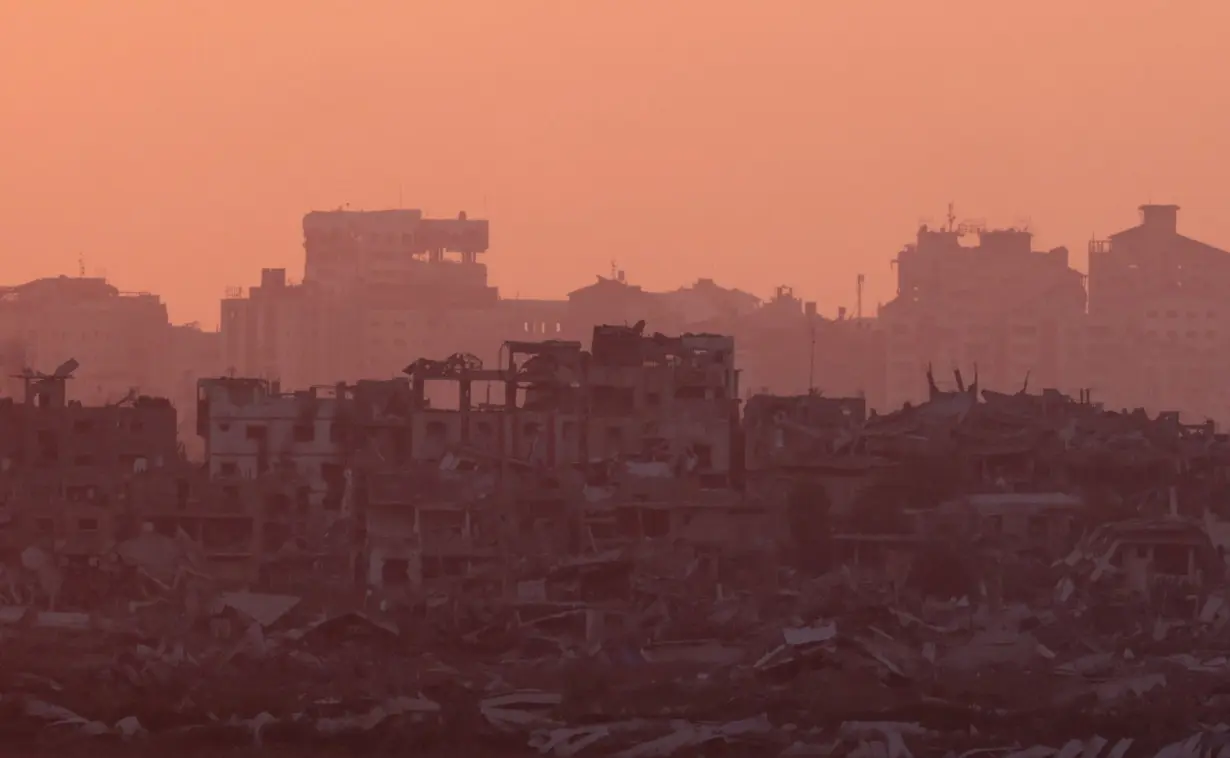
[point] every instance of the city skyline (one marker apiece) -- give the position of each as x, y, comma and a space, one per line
884, 285
808, 138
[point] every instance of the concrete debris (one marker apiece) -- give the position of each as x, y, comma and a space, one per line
998, 574
826, 664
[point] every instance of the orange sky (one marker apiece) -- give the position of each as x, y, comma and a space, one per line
175, 145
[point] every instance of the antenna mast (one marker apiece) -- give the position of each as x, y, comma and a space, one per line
952, 217
858, 303
811, 354
81, 265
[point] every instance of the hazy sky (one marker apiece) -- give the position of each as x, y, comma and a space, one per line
175, 144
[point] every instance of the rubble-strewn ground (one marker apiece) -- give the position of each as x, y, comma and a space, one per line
834, 665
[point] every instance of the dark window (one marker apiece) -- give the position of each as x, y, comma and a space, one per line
79, 493
48, 447
1039, 527
305, 432
81, 426
704, 456
1171, 559
228, 469
395, 572
87, 524
277, 504
656, 522
257, 431
994, 525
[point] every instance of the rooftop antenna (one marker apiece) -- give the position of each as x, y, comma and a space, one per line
952, 216
614, 270
81, 265
858, 303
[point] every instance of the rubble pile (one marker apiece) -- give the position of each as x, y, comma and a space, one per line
661, 665
1001, 574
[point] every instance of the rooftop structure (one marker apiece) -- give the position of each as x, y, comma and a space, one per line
397, 256
1151, 261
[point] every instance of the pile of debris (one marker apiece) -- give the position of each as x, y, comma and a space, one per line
637, 653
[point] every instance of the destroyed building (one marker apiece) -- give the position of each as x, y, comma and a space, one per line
67, 468
588, 532
631, 427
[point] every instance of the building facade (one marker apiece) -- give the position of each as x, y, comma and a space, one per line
1161, 294
997, 305
119, 339
67, 469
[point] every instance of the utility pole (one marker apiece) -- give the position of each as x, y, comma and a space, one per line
811, 354
858, 303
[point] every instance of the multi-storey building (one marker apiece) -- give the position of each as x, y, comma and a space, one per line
275, 332
347, 250
192, 353
998, 304
251, 428
67, 469
1151, 267
119, 339
381, 452
1162, 295
379, 288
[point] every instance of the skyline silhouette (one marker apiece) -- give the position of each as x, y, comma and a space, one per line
800, 145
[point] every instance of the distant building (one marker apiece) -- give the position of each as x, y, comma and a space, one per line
706, 300
377, 287
1162, 295
998, 305
192, 354
424, 262
119, 338
1145, 268
275, 332
613, 300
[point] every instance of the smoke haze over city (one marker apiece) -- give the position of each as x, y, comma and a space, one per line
599, 378
175, 146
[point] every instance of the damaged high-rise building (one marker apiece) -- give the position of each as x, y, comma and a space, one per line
622, 426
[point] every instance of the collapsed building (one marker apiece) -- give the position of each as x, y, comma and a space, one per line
577, 449
1018, 473
608, 516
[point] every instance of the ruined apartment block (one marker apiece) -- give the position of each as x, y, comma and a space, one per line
68, 469
251, 428
635, 426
